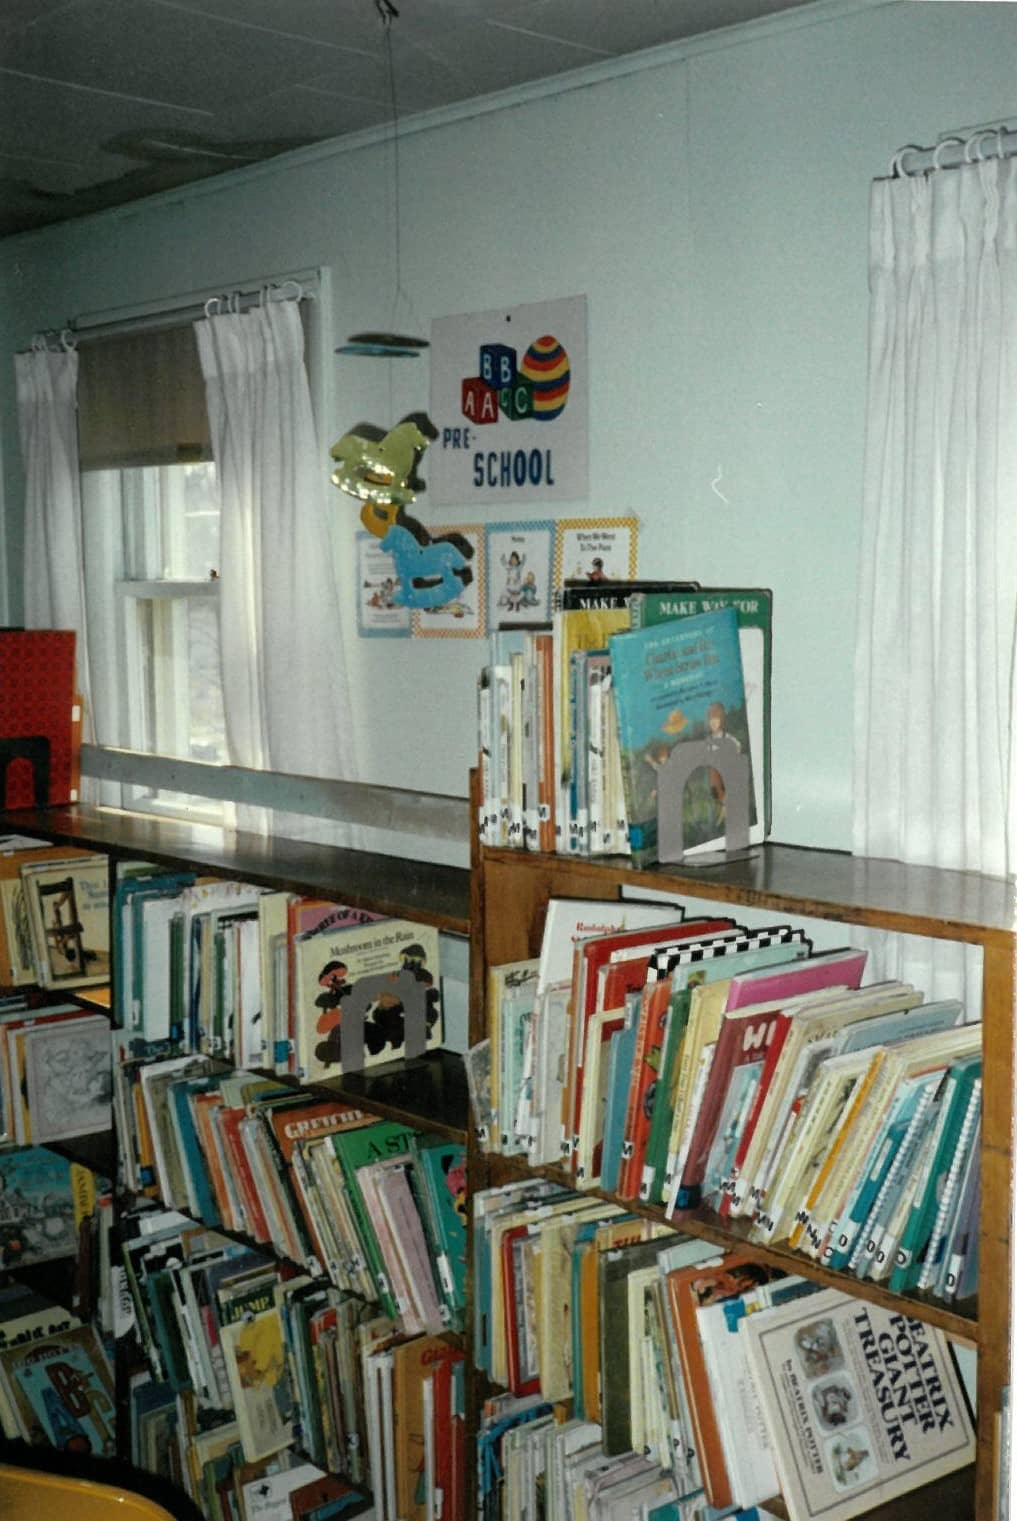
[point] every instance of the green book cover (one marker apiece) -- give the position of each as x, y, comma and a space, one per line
918, 1227
676, 684
356, 1149
754, 609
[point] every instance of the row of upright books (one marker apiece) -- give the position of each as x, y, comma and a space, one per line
269, 1394
577, 724
372, 1205
687, 1062
273, 980
648, 1376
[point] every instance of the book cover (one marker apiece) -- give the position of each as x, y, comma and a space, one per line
412, 1362
43, 1200
254, 1348
689, 1289
62, 1392
754, 609
863, 1403
68, 907
365, 995
675, 684
68, 1078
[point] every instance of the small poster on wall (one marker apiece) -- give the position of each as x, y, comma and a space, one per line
378, 612
464, 615
509, 398
596, 549
519, 570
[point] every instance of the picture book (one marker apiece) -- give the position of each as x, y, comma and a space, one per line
68, 908
256, 1364
44, 1199
68, 1078
365, 994
676, 684
754, 609
61, 1390
689, 1289
863, 1403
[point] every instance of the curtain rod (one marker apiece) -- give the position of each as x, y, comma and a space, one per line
954, 150
192, 305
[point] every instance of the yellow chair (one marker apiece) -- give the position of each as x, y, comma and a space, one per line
27, 1495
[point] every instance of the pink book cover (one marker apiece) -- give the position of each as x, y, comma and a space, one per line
828, 969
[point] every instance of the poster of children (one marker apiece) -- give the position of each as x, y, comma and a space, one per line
378, 612
463, 616
519, 557
593, 550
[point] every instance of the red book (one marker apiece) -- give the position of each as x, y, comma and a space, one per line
745, 1035
39, 718
687, 1289
229, 1121
590, 956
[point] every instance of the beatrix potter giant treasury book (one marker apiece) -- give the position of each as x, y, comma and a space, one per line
676, 683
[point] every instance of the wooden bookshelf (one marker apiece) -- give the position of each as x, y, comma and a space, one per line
510, 894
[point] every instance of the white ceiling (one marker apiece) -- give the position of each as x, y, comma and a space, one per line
104, 101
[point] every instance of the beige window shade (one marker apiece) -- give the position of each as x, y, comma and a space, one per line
141, 400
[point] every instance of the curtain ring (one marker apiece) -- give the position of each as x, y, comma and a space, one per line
897, 170
946, 142
974, 145
212, 306
68, 342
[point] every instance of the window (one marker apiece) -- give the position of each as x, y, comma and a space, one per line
150, 510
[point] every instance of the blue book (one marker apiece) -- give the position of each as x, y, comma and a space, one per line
192, 1156
675, 683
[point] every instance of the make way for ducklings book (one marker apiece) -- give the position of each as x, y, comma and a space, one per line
675, 683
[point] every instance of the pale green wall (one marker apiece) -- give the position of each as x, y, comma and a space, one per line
713, 208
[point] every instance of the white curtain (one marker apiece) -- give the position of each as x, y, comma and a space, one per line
54, 588
935, 758
284, 676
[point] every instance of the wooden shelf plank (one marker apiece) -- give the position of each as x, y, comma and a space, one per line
825, 884
420, 890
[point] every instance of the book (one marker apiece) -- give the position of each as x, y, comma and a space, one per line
863, 1403
754, 610
68, 1078
44, 1199
68, 909
365, 994
61, 1392
677, 684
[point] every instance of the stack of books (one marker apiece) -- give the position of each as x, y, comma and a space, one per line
644, 1370
690, 1062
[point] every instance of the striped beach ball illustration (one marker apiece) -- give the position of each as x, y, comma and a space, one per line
546, 364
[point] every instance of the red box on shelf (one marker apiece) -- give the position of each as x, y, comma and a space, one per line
40, 723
